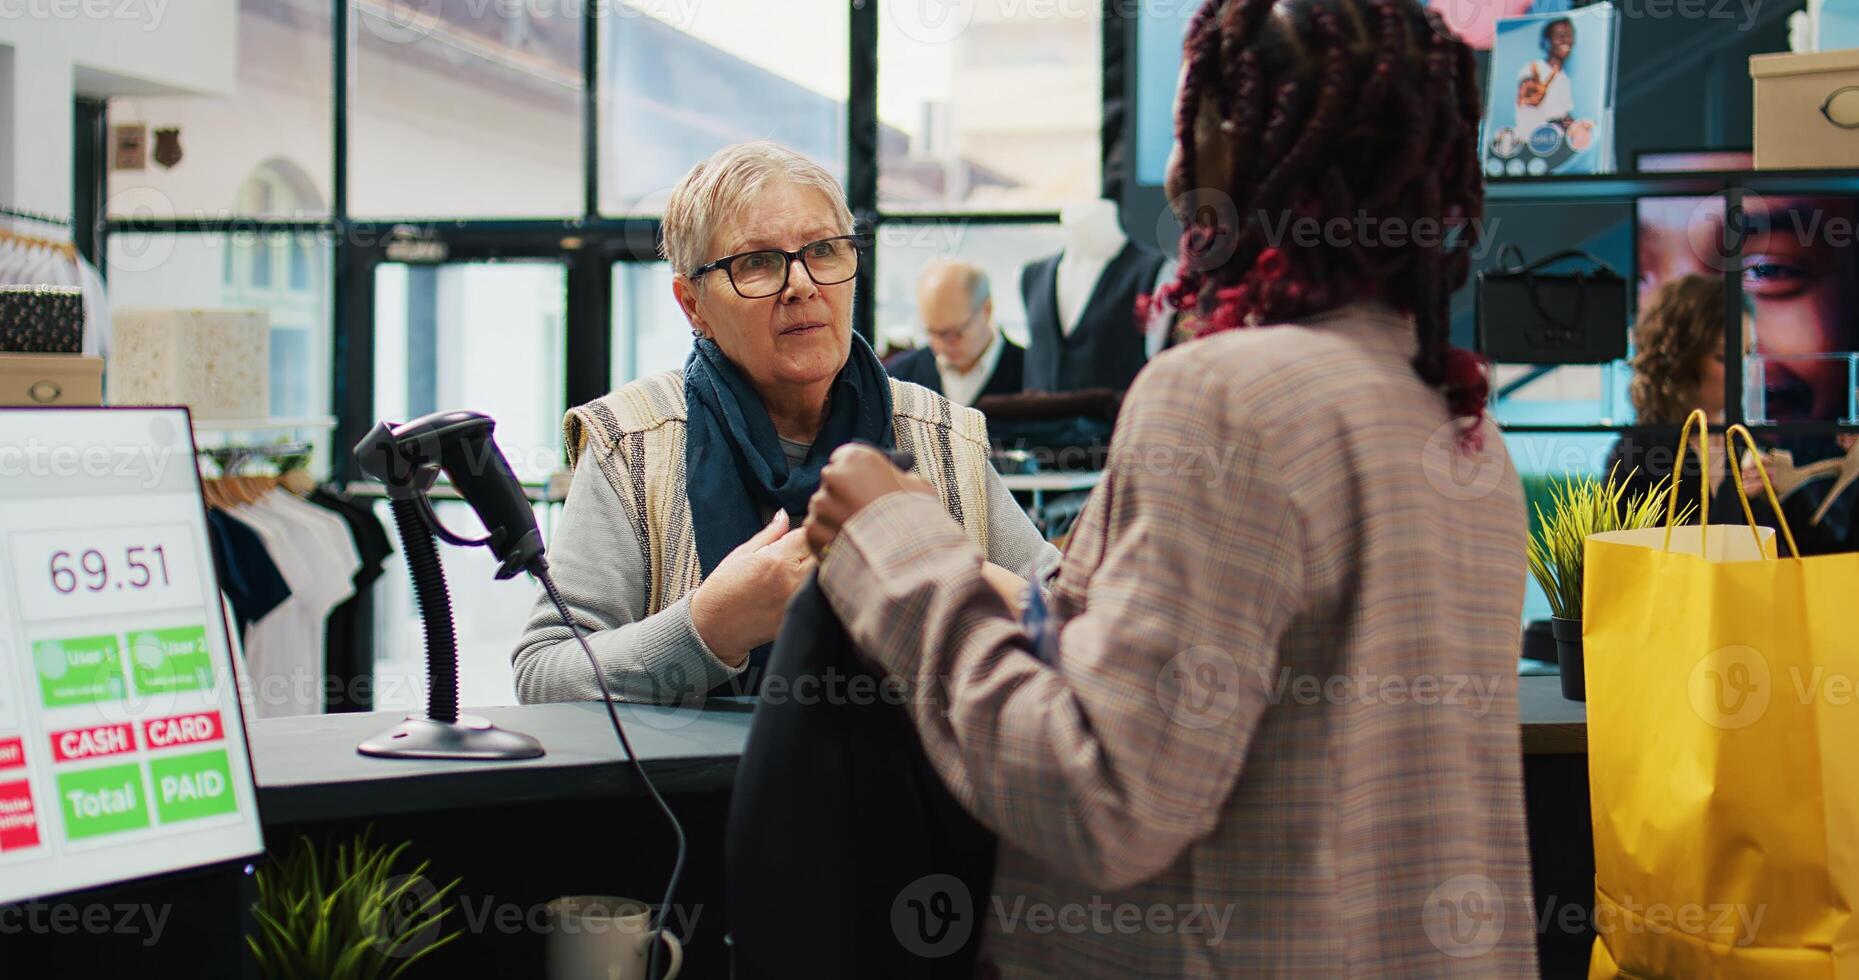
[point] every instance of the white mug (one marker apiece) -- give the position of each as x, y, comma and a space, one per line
600, 937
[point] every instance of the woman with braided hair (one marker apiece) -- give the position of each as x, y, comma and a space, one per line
1278, 697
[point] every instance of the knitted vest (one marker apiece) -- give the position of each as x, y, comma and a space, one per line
636, 436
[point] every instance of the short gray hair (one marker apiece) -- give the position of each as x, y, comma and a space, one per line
717, 189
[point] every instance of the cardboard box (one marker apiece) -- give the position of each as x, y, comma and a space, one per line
216, 362
64, 380
1807, 109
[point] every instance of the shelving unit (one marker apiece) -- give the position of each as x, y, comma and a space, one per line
1735, 186
313, 423
1626, 188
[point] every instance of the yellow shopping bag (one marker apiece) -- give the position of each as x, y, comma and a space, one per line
1723, 749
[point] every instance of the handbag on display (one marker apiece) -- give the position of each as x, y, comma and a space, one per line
1528, 316
1721, 728
41, 319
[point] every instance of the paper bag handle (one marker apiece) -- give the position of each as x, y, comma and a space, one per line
1698, 418
1755, 452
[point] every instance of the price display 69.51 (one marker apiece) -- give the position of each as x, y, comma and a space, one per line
100, 571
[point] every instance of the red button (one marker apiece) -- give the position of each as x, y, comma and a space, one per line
93, 743
12, 753
204, 726
19, 825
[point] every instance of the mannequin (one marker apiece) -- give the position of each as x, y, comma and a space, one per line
1080, 304
1093, 237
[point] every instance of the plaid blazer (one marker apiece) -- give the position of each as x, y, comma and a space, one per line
1279, 736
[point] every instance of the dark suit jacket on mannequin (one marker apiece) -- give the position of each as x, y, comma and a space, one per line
1107, 348
919, 366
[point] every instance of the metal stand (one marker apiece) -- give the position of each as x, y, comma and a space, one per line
471, 737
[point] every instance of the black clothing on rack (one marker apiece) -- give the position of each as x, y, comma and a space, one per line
344, 658
250, 579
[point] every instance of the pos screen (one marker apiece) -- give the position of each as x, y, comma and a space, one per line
122, 749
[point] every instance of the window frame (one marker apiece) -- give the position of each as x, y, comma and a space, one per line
588, 243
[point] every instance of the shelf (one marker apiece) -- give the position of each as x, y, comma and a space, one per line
1759, 428
1625, 188
321, 423
1051, 482
537, 493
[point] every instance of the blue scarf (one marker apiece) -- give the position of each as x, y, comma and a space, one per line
733, 464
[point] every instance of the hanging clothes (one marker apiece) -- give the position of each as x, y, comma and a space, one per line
318, 559
247, 575
343, 659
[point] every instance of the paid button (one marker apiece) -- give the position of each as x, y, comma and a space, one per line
189, 787
102, 801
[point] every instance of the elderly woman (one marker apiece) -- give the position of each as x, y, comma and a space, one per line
680, 542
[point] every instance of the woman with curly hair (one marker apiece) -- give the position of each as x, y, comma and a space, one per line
1301, 505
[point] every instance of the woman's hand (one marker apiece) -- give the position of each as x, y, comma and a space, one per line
856, 476
739, 605
1010, 587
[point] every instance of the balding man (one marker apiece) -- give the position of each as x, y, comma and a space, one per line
968, 356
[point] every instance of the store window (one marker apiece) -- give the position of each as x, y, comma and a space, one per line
650, 333
1000, 250
488, 337
993, 105
484, 336
200, 149
465, 109
681, 81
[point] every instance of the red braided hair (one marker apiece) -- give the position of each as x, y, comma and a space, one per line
1335, 109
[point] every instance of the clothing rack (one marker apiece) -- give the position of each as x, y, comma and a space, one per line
66, 247
41, 217
230, 459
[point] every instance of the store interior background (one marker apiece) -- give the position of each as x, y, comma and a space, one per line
468, 127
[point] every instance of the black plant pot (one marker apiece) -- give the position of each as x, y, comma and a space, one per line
1568, 657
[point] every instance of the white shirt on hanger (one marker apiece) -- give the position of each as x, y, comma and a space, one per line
315, 553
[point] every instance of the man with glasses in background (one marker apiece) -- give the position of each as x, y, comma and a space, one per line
968, 356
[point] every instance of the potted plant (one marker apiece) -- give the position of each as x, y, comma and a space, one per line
1580, 506
345, 913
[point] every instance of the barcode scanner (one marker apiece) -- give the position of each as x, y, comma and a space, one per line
407, 459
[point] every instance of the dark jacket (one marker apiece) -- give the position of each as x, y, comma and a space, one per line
1646, 454
839, 828
919, 367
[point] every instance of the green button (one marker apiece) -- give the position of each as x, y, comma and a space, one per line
171, 660
81, 670
192, 786
102, 801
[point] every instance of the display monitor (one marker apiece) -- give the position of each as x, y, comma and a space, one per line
122, 746
1799, 273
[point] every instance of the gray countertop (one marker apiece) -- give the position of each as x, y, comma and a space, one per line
308, 769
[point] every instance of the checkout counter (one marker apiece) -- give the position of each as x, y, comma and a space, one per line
577, 820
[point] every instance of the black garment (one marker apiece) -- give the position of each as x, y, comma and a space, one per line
1108, 347
1646, 454
919, 367
837, 818
250, 579
342, 657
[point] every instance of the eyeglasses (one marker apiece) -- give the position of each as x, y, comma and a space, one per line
764, 273
950, 335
